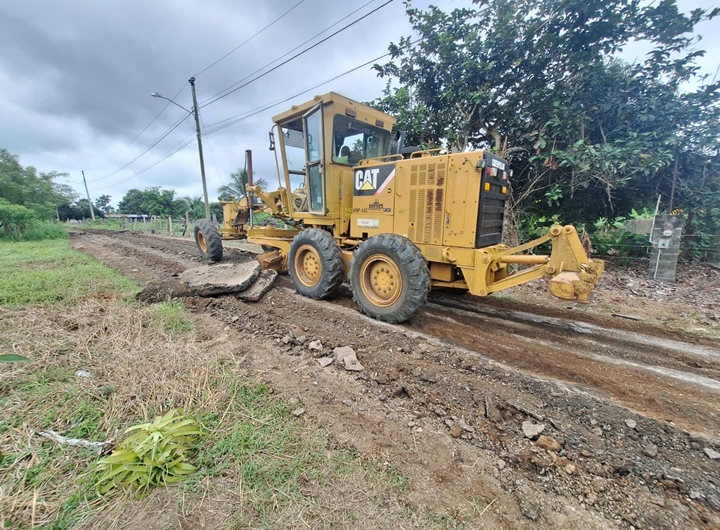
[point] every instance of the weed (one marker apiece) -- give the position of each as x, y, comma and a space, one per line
170, 315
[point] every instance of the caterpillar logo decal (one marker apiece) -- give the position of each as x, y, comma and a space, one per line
373, 181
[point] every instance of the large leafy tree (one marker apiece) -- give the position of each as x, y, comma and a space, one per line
151, 201
36, 191
103, 203
541, 83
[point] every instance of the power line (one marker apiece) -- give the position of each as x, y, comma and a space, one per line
230, 90
236, 48
171, 129
144, 128
222, 95
217, 126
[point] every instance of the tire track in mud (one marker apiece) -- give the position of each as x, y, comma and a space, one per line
663, 384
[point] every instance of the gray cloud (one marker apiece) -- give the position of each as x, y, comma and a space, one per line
76, 77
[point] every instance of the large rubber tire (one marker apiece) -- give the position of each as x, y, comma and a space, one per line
315, 264
389, 277
208, 240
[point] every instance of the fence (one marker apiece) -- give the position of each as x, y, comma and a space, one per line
149, 224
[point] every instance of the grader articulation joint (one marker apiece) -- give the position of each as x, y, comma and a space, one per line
350, 207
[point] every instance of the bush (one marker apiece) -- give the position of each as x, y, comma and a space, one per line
42, 230
15, 219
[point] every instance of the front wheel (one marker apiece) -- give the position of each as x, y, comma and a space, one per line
389, 277
315, 264
208, 240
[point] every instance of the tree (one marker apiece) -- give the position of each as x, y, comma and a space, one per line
103, 203
194, 205
540, 83
38, 192
151, 201
236, 188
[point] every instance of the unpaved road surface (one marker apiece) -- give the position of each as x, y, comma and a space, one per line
629, 410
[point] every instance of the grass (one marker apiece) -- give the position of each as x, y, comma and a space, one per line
260, 466
51, 271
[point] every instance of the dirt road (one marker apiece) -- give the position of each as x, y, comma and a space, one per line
629, 412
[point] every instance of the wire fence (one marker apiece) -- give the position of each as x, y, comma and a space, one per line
168, 226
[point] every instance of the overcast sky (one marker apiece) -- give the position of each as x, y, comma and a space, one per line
76, 78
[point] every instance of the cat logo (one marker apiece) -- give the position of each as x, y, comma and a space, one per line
366, 180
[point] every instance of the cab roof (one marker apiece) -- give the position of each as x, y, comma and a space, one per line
346, 106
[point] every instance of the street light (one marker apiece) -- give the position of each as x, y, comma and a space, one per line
196, 115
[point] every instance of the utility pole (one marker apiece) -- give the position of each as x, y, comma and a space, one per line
196, 114
92, 213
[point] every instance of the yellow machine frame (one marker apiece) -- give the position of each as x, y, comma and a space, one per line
449, 206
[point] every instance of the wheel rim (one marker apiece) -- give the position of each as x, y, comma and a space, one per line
201, 241
308, 267
380, 280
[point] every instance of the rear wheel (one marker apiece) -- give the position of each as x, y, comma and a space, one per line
315, 264
208, 240
389, 277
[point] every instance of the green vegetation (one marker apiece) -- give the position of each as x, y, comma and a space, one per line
35, 272
101, 364
153, 455
588, 135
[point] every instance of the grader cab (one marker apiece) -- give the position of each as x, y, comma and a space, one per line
351, 207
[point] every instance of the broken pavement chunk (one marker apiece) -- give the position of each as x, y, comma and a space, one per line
210, 280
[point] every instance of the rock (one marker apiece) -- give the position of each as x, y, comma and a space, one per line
631, 423
597, 431
341, 352
83, 373
325, 361
455, 431
570, 469
491, 410
532, 430
465, 427
501, 464
352, 364
298, 412
211, 280
549, 443
302, 339
650, 450
287, 339
315, 345
711, 453
346, 355
260, 287
528, 508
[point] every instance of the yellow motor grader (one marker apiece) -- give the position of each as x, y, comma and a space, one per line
353, 205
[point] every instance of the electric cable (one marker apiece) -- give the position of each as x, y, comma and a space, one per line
171, 129
217, 126
144, 128
236, 48
230, 90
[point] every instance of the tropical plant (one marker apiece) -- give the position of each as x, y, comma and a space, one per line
236, 187
195, 206
153, 455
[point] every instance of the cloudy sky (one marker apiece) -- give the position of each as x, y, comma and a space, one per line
76, 78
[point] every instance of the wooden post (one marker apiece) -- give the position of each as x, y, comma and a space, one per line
170, 225
187, 223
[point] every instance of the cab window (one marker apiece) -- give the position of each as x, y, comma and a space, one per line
354, 140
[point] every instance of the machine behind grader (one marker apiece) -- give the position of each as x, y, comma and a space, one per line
353, 204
